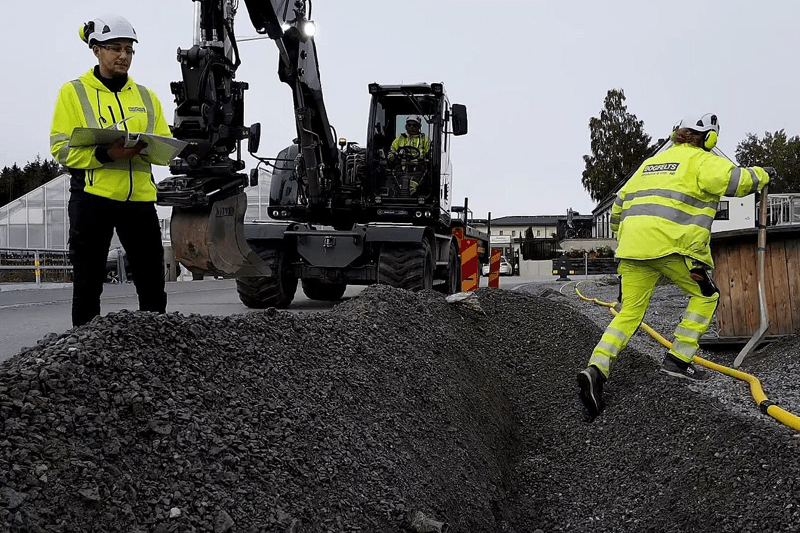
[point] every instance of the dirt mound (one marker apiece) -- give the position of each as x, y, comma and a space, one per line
349, 420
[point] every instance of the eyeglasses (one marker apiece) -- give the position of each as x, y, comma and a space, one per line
117, 49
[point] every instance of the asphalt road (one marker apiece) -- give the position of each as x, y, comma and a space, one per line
28, 313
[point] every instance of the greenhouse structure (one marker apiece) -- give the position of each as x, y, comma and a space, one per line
38, 221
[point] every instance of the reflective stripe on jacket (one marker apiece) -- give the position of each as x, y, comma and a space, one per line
668, 205
86, 102
420, 142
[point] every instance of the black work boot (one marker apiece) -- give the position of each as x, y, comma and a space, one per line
681, 369
590, 381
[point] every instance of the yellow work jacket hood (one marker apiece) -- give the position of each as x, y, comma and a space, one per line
668, 205
87, 102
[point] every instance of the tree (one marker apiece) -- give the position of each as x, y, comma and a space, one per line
774, 150
618, 144
11, 184
15, 181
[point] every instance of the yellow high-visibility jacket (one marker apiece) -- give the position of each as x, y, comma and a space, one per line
420, 142
86, 102
668, 205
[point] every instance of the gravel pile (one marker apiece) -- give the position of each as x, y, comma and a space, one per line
777, 365
393, 412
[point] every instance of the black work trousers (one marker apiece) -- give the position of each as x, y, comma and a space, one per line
92, 220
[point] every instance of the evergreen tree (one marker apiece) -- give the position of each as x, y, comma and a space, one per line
618, 143
529, 233
774, 150
11, 184
16, 181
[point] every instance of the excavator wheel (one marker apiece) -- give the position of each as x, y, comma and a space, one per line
262, 292
452, 281
406, 266
316, 289
453, 270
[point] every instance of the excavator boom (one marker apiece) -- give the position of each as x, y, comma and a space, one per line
209, 115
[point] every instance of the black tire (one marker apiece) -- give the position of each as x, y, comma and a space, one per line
406, 266
452, 282
316, 289
262, 292
454, 270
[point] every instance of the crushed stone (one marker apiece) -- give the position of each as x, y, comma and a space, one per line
392, 410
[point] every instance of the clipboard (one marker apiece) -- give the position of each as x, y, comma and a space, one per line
160, 150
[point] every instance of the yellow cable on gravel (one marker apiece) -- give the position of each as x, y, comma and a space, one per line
764, 404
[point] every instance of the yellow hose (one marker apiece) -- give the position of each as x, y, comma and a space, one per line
764, 404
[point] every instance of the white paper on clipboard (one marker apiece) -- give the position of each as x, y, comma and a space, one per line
160, 150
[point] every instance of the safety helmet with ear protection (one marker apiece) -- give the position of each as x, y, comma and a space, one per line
706, 125
414, 118
106, 29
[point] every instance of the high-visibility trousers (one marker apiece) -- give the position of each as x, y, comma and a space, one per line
638, 282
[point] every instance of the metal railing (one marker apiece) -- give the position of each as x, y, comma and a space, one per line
783, 209
37, 260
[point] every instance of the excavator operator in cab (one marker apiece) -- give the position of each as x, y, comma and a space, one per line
411, 148
419, 145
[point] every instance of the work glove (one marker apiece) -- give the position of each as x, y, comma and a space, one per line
771, 172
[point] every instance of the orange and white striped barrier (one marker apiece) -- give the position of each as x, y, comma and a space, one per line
470, 277
494, 268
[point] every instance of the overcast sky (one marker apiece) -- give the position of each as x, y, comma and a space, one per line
531, 73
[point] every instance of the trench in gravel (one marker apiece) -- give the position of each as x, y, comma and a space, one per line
393, 402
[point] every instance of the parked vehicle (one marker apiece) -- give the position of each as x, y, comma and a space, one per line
505, 267
113, 274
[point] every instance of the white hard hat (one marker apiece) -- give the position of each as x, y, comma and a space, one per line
106, 29
414, 118
707, 125
701, 124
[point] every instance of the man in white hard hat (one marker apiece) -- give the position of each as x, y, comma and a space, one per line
662, 219
411, 147
112, 186
412, 137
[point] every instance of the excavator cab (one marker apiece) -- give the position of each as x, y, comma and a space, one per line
408, 179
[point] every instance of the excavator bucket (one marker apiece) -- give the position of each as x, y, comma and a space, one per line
211, 240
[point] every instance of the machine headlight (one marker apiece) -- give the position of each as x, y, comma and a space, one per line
309, 29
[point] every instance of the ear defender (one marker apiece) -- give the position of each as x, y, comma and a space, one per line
710, 140
85, 31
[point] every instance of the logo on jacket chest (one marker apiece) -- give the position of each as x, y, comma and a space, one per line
134, 109
660, 168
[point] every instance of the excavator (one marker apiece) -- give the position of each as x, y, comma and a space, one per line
339, 214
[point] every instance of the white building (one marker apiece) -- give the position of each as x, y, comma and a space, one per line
507, 231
